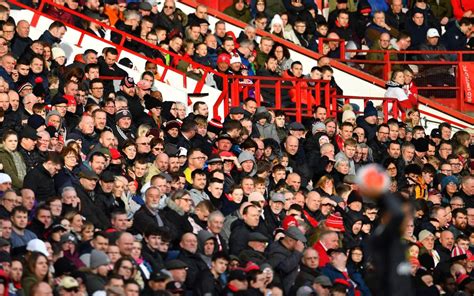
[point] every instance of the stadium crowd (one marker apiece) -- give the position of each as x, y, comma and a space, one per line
113, 191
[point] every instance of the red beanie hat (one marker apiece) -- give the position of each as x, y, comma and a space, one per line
335, 221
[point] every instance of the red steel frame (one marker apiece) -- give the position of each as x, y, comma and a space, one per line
227, 79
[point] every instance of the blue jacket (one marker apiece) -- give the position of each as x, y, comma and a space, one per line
333, 274
7, 77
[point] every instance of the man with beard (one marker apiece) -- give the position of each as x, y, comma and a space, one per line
459, 222
123, 128
149, 215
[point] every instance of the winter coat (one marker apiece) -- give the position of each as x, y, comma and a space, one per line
285, 263
144, 218
9, 167
251, 255
239, 236
41, 182
332, 273
305, 276
244, 15
207, 284
461, 6
92, 208
195, 266
268, 130
179, 218
454, 38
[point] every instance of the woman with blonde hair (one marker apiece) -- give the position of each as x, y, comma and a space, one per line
325, 186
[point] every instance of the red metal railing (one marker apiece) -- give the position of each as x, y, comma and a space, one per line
242, 87
383, 68
229, 81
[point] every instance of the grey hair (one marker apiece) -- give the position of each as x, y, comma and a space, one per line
66, 189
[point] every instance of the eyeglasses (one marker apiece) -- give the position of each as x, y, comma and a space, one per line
168, 7
144, 144
75, 289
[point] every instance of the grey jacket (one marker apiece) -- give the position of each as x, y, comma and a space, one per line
285, 263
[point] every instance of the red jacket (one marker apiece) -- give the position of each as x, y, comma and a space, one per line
323, 255
305, 92
461, 6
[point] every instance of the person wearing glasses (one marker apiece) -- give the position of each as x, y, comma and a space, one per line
178, 207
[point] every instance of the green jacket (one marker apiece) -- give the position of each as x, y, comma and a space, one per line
243, 15
377, 69
443, 9
9, 167
27, 282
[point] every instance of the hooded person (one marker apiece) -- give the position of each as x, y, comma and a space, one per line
249, 166
239, 10
207, 246
353, 226
265, 128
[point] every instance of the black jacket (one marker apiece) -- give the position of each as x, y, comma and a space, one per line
144, 218
153, 257
92, 207
207, 284
305, 276
250, 255
41, 182
195, 266
180, 219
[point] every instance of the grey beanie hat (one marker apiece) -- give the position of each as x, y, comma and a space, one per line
98, 258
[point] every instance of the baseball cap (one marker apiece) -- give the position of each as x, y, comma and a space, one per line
432, 32
128, 82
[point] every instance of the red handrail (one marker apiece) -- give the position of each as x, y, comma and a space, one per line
334, 63
119, 46
123, 35
290, 45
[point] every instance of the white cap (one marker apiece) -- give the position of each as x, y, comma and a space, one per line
235, 59
4, 178
37, 245
432, 33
